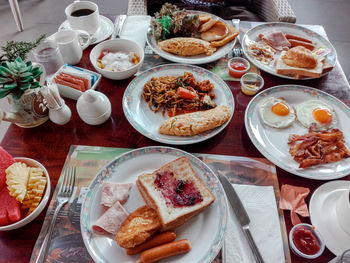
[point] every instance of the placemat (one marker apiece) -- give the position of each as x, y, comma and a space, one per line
67, 244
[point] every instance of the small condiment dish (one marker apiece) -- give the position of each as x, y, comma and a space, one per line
115, 45
315, 233
94, 107
237, 73
45, 198
251, 83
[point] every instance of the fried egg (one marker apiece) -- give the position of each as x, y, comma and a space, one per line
276, 113
316, 113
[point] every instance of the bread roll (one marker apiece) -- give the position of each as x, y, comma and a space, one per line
300, 57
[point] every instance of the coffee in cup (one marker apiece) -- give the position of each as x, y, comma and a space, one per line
83, 15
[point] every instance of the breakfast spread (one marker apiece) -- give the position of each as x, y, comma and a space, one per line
305, 241
117, 61
185, 34
173, 195
21, 188
194, 123
318, 146
289, 54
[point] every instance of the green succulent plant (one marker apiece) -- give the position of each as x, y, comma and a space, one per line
16, 77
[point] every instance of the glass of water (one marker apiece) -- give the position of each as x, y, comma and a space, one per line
48, 54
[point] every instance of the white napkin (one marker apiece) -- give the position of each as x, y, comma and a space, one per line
135, 29
260, 204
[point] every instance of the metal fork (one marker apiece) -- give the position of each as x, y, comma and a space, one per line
63, 196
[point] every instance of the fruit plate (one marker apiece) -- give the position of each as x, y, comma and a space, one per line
317, 39
273, 142
194, 60
205, 231
147, 122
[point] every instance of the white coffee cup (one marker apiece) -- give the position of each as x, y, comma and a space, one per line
343, 211
89, 22
71, 44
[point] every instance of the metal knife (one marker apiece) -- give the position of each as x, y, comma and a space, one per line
118, 26
241, 215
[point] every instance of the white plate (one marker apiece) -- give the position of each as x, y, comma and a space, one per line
323, 215
205, 231
252, 35
104, 31
272, 142
147, 122
195, 60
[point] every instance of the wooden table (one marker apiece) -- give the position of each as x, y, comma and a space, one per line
49, 144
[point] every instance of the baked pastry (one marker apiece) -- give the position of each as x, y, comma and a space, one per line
139, 226
299, 57
190, 124
187, 46
175, 192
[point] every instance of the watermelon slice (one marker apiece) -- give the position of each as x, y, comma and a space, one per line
10, 208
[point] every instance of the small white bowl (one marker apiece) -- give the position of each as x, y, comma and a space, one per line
296, 251
43, 202
115, 45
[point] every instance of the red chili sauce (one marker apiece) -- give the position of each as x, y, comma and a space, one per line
306, 241
178, 192
236, 65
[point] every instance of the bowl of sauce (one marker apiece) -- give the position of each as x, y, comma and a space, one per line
305, 241
251, 83
238, 66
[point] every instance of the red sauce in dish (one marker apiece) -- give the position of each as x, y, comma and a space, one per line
306, 241
237, 66
177, 192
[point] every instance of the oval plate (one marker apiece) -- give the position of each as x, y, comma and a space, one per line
320, 41
147, 122
272, 142
195, 60
205, 231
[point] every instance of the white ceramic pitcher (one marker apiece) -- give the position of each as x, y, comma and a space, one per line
71, 44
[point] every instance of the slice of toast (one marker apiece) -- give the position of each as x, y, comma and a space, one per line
284, 69
162, 190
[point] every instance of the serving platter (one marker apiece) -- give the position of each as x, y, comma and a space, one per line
317, 39
205, 231
145, 121
194, 60
272, 142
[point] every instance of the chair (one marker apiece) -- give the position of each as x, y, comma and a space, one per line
268, 10
16, 14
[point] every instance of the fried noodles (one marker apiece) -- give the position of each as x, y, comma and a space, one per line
177, 95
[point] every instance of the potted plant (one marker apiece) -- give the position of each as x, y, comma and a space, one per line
19, 82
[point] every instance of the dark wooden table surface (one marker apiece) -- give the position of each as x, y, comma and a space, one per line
49, 144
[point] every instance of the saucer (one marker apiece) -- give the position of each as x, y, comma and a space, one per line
103, 32
323, 215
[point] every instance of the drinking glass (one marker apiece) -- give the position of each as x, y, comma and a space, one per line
48, 54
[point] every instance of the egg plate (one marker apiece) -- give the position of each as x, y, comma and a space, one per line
272, 142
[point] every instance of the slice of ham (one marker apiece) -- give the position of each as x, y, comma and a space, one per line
113, 192
276, 40
111, 220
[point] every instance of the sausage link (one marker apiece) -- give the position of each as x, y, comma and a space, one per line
157, 240
296, 43
164, 251
290, 36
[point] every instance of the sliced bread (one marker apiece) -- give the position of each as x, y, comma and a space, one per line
175, 192
284, 69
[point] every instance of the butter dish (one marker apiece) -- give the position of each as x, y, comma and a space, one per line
93, 79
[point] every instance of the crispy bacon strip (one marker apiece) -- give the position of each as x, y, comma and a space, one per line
318, 147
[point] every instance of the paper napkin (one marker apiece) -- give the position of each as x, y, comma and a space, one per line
260, 204
135, 29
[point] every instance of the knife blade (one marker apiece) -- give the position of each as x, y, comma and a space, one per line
241, 215
118, 26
